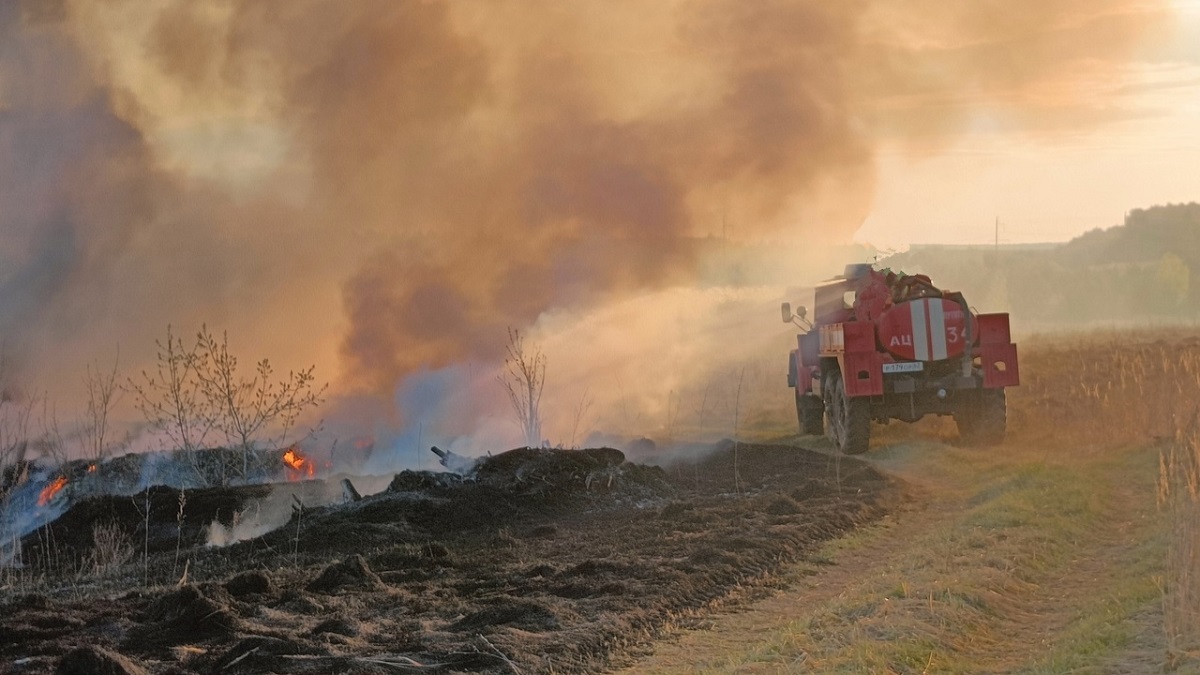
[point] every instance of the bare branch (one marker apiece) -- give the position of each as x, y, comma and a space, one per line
103, 392
581, 410
523, 380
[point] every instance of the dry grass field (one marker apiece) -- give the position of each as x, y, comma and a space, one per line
1070, 548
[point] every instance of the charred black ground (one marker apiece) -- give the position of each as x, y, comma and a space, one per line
544, 560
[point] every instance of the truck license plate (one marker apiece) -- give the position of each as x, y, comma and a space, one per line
904, 367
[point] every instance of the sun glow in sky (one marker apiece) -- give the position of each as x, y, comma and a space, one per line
1054, 188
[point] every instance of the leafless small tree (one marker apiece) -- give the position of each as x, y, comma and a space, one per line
255, 409
523, 378
103, 393
51, 443
16, 413
581, 411
170, 399
196, 392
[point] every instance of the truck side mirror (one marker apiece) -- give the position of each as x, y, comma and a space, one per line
802, 311
785, 310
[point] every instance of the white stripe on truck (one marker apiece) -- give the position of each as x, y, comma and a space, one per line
937, 328
920, 330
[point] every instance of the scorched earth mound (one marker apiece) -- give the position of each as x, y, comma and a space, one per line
537, 561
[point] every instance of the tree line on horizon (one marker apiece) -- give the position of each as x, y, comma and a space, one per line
1147, 269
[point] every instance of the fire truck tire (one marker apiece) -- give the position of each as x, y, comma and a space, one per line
850, 418
810, 412
985, 421
831, 398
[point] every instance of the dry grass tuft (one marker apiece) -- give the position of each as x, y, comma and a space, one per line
1179, 495
112, 547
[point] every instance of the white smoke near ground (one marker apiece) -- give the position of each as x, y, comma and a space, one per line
285, 501
676, 365
665, 365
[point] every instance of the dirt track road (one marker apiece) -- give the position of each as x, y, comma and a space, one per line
1004, 562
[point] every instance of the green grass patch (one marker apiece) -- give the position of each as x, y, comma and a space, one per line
1023, 569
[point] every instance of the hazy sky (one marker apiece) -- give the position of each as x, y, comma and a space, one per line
384, 187
1053, 188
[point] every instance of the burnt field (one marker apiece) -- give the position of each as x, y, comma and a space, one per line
541, 560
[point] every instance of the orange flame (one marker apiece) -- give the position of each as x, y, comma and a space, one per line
50, 490
92, 468
299, 462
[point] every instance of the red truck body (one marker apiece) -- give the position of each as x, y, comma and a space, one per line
885, 346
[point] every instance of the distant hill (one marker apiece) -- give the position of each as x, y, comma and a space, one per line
1147, 235
1147, 269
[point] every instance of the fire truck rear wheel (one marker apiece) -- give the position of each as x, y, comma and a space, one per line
810, 412
850, 418
985, 421
832, 400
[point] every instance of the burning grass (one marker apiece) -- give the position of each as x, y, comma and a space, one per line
299, 465
47, 493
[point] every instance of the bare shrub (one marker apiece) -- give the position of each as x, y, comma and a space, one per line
95, 429
523, 378
253, 410
51, 442
170, 399
198, 392
16, 415
581, 410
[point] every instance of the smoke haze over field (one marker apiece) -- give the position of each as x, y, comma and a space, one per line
382, 188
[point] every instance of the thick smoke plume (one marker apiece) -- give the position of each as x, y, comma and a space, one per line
383, 187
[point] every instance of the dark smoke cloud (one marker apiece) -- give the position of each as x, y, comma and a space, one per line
72, 189
423, 175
